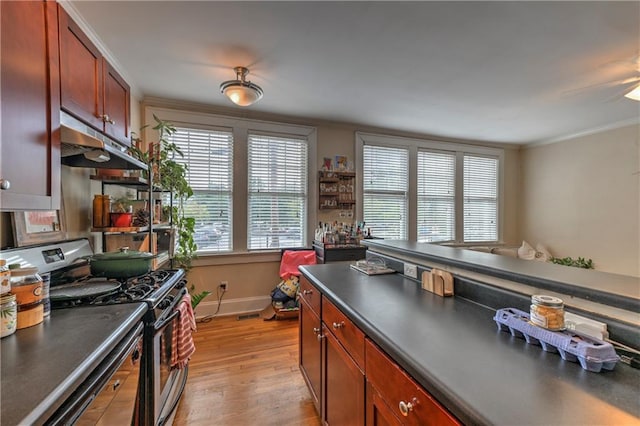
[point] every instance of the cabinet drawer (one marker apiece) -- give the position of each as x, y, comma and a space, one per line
350, 336
310, 294
402, 393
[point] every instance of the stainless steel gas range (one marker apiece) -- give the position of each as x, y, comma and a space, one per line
145, 356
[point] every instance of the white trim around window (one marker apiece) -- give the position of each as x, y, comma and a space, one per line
413, 146
241, 128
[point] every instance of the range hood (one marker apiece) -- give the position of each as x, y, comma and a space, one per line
82, 146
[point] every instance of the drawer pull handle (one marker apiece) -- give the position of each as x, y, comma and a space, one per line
407, 407
338, 325
305, 292
316, 330
320, 337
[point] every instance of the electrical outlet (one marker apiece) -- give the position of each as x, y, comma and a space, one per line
411, 270
224, 285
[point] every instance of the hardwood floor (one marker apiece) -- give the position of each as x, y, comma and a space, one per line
245, 372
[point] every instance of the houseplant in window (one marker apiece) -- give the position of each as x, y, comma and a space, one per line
170, 175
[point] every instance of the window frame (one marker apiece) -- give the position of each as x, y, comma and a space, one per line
305, 224
197, 191
241, 127
413, 145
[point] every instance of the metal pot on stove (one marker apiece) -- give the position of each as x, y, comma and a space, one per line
121, 264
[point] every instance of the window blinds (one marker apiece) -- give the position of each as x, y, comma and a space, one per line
436, 196
386, 185
480, 198
277, 204
208, 155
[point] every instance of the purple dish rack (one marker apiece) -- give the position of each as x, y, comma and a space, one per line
593, 354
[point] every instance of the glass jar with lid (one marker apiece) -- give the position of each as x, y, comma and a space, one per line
26, 284
5, 277
547, 312
8, 314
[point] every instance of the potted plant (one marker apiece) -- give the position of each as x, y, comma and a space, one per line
170, 176
580, 262
196, 298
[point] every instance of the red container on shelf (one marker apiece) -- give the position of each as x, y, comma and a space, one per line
121, 220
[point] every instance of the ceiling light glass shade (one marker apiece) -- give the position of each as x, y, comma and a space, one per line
241, 91
634, 94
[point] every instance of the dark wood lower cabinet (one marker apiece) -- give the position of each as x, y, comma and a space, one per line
310, 351
352, 381
378, 412
344, 390
402, 395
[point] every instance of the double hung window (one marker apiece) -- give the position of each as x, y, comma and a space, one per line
385, 190
436, 196
480, 198
251, 180
208, 155
430, 191
277, 199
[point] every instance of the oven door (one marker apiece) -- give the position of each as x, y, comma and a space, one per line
170, 382
162, 384
109, 394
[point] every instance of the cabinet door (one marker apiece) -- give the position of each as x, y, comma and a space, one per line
30, 110
412, 403
310, 351
344, 386
116, 105
378, 412
80, 73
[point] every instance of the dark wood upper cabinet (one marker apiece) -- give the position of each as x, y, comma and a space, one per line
116, 104
91, 89
30, 107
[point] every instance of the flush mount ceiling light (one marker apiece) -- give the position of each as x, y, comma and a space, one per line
241, 91
634, 94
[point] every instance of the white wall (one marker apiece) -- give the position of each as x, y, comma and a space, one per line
580, 197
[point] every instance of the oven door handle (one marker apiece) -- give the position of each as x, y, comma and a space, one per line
162, 323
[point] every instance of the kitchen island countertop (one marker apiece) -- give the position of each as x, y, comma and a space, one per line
452, 347
42, 365
617, 290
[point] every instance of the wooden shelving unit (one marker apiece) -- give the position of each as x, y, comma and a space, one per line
336, 190
140, 238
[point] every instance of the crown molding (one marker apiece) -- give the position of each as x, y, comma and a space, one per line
592, 131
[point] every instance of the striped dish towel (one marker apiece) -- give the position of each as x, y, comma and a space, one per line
182, 346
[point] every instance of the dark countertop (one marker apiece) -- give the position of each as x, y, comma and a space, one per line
42, 365
452, 347
617, 290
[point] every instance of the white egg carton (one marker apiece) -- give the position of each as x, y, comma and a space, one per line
593, 354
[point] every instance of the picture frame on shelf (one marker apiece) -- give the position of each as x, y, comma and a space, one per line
36, 227
327, 164
341, 163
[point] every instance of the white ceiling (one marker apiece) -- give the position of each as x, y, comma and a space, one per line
513, 72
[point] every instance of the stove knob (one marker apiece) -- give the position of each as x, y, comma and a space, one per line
165, 303
181, 284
